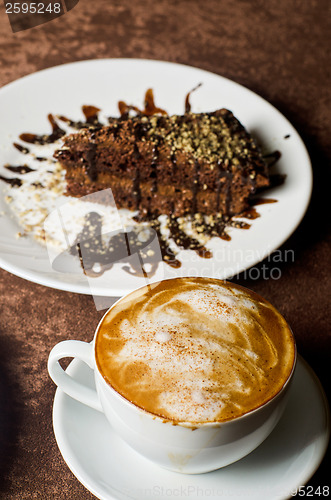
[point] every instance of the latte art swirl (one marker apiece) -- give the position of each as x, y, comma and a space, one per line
195, 350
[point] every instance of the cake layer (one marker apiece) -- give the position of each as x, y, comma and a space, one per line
176, 165
168, 199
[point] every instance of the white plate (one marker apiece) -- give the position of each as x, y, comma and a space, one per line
110, 469
64, 89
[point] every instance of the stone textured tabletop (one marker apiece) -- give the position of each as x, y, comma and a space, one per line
277, 48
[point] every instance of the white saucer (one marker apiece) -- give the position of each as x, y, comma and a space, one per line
107, 467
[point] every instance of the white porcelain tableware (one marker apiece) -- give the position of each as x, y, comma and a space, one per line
111, 470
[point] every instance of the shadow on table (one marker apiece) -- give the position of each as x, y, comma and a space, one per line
9, 421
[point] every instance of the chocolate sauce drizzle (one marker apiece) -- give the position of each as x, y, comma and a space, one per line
149, 109
272, 158
19, 169
168, 255
125, 109
21, 149
184, 241
250, 213
98, 255
136, 179
276, 180
13, 182
90, 166
91, 114
187, 98
262, 201
56, 134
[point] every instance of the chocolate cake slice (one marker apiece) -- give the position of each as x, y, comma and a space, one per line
176, 165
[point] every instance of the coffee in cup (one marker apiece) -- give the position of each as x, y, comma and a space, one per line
195, 350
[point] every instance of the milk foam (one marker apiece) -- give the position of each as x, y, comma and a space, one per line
196, 352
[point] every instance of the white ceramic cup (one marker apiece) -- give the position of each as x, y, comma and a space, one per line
187, 448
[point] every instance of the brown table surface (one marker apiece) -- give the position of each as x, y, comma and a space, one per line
277, 48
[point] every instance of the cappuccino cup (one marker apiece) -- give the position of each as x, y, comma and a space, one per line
192, 373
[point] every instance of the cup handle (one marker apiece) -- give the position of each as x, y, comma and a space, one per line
78, 391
